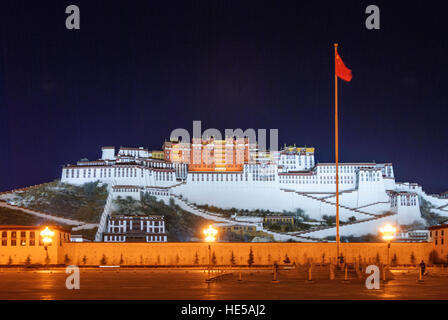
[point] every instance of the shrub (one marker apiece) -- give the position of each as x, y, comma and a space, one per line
377, 258
412, 257
434, 258
196, 258
103, 260
232, 258
250, 260
394, 260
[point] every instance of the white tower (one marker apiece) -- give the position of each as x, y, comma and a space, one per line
108, 153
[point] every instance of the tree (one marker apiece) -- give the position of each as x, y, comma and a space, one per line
286, 259
413, 258
434, 257
103, 260
377, 258
232, 259
329, 220
28, 260
213, 258
66, 259
9, 261
121, 259
84, 260
352, 219
394, 260
196, 258
251, 259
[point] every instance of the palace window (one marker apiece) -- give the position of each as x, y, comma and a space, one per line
23, 238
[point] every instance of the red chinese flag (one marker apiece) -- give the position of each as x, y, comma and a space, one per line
341, 70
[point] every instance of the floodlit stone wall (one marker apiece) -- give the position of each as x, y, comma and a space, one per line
196, 253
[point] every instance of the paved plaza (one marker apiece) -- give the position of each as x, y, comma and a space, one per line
173, 284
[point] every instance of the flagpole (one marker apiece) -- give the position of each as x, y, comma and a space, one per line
336, 138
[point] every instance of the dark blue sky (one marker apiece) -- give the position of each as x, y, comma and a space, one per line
138, 69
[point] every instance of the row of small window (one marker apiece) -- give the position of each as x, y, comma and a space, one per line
437, 233
165, 176
218, 177
387, 171
126, 152
126, 190
342, 169
123, 238
120, 229
160, 165
307, 162
257, 169
294, 167
158, 193
269, 177
294, 161
441, 242
404, 201
22, 241
102, 173
371, 176
114, 238
313, 180
156, 238
148, 223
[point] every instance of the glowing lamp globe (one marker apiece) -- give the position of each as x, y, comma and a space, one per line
47, 235
210, 234
388, 232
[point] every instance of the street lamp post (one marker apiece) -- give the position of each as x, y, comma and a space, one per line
47, 239
388, 233
210, 237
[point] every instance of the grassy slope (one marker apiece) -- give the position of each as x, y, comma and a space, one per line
17, 217
84, 203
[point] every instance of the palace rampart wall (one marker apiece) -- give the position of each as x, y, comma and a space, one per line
184, 253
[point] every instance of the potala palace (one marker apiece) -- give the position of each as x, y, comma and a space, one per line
232, 173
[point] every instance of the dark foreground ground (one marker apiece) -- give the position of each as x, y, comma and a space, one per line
19, 283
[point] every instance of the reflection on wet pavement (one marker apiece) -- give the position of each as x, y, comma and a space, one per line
190, 284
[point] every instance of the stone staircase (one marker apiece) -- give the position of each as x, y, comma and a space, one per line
376, 217
333, 195
329, 202
372, 204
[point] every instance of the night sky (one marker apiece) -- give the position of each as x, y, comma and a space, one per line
136, 70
